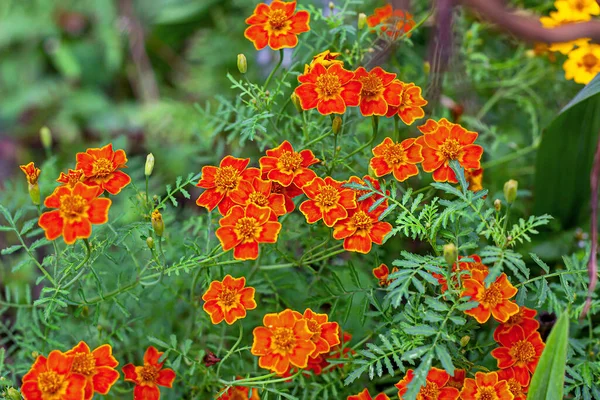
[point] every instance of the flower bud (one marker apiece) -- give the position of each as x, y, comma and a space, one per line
150, 242
35, 354
510, 190
426, 67
362, 20
149, 164
336, 125
13, 394
464, 340
450, 253
242, 64
497, 204
157, 223
34, 193
331, 5
296, 102
46, 137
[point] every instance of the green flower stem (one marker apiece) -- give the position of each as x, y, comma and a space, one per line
88, 253
274, 69
318, 139
537, 278
232, 349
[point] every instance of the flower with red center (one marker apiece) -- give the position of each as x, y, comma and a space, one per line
493, 300
78, 208
276, 25
228, 300
394, 22
239, 393
411, 104
329, 89
242, 229
325, 334
486, 386
462, 266
458, 379
365, 395
31, 172
52, 379
517, 388
325, 58
71, 177
374, 183
283, 340
220, 181
520, 351
380, 89
98, 368
149, 377
327, 199
525, 318
436, 386
101, 167
446, 143
474, 178
285, 166
288, 192
382, 272
259, 192
362, 228
583, 63
397, 158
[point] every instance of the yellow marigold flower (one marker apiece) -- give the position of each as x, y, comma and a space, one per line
564, 15
583, 64
326, 58
583, 9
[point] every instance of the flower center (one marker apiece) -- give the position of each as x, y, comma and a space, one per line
227, 297
492, 295
394, 154
314, 327
371, 86
580, 5
149, 373
277, 19
328, 197
522, 351
50, 382
72, 206
516, 319
84, 364
329, 84
514, 386
430, 391
486, 393
290, 161
362, 221
259, 199
226, 178
590, 61
238, 395
247, 228
102, 167
450, 149
74, 176
284, 339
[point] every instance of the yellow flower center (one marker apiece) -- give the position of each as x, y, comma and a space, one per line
228, 297
72, 206
259, 199
247, 228
450, 149
315, 328
371, 86
486, 393
84, 364
149, 373
328, 197
514, 386
74, 176
238, 395
50, 382
290, 161
522, 351
394, 154
102, 167
407, 99
430, 391
580, 5
226, 178
590, 61
328, 84
492, 295
277, 19
362, 221
284, 339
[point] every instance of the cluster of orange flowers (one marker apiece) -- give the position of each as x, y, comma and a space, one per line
80, 372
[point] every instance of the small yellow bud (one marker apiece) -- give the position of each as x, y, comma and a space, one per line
426, 67
35, 354
13, 394
331, 5
530, 53
46, 137
242, 64
450, 253
157, 223
497, 204
150, 242
464, 341
371, 172
510, 190
296, 102
34, 193
85, 311
362, 20
336, 125
149, 164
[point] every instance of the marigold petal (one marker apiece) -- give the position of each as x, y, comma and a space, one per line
31, 391
432, 160
308, 95
104, 357
503, 356
52, 224
393, 94
98, 210
76, 230
463, 136
444, 174
281, 177
268, 163
152, 355
260, 15
303, 177
166, 377
481, 313
312, 212
210, 198
104, 378
258, 36
262, 341
246, 251
129, 373
486, 379
285, 41
334, 104
379, 231
333, 215
358, 243
117, 182
373, 106
380, 166
503, 311
470, 156
448, 393
300, 22
207, 179
146, 393
214, 310
247, 298
351, 93
404, 171
343, 229
269, 232
299, 356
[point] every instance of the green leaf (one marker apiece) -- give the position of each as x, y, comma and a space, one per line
423, 330
549, 377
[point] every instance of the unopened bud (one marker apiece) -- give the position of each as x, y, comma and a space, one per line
336, 125
242, 64
497, 204
331, 5
371, 172
149, 164
464, 341
34, 193
46, 137
426, 67
150, 242
450, 253
362, 20
85, 311
267, 93
510, 190
157, 223
35, 354
13, 394
296, 102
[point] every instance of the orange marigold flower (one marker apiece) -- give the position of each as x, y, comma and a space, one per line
240, 393
397, 158
325, 58
380, 89
525, 318
443, 142
243, 229
436, 386
329, 89
493, 300
276, 25
101, 168
31, 172
288, 192
285, 166
325, 334
517, 387
52, 379
283, 340
411, 104
327, 199
374, 183
365, 395
78, 208
486, 386
220, 181
462, 266
394, 22
228, 300
259, 192
71, 177
474, 178
149, 377
519, 350
382, 272
362, 228
98, 368
458, 379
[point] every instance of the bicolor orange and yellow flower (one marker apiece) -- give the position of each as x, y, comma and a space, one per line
380, 89
365, 395
435, 388
362, 228
394, 22
382, 273
327, 200
102, 167
150, 376
493, 300
276, 25
325, 333
260, 193
519, 350
411, 104
486, 386
400, 159
52, 379
97, 366
286, 166
228, 300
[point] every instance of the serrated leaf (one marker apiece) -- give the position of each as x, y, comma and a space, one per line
421, 330
445, 359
